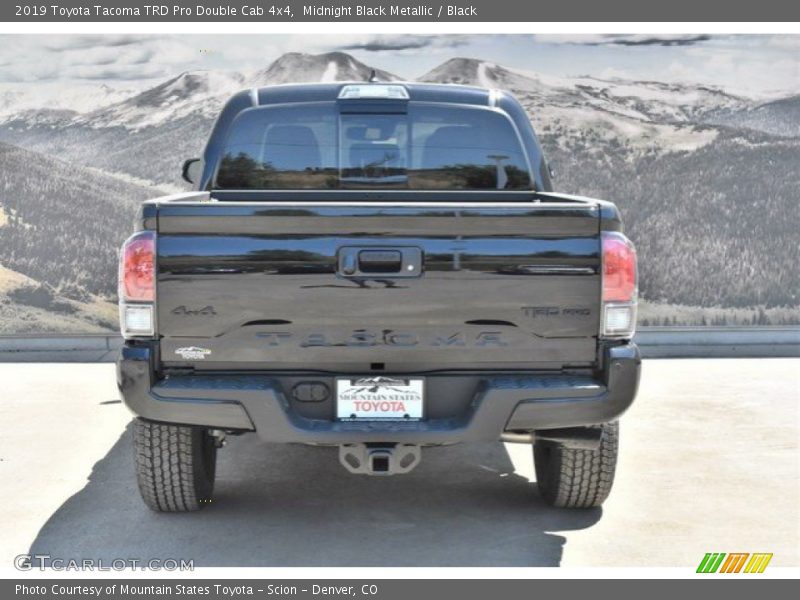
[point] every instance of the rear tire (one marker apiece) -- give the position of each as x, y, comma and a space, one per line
175, 465
571, 478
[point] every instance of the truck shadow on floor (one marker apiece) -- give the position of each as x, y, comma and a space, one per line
294, 505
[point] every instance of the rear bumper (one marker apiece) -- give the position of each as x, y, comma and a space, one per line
524, 402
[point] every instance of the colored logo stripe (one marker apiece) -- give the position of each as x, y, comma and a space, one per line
710, 562
758, 562
734, 562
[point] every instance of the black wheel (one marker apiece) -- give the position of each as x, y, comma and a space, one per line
570, 478
175, 465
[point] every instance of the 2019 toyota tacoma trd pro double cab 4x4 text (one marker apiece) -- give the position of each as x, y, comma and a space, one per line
381, 268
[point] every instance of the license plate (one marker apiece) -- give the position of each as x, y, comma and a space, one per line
379, 397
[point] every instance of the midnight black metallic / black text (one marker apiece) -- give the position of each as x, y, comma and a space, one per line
338, 11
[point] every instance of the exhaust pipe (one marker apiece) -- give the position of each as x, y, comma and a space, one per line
518, 437
578, 438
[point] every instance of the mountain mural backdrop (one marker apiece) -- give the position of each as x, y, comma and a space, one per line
707, 182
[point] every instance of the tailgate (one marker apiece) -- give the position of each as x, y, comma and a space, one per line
378, 286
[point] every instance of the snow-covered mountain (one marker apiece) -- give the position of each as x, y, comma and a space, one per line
638, 99
164, 123
656, 100
74, 97
470, 71
611, 104
296, 67
697, 171
650, 114
174, 116
190, 93
201, 94
779, 117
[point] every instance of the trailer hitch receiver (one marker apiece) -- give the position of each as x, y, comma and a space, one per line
379, 459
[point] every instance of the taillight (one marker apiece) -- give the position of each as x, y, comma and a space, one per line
137, 284
620, 286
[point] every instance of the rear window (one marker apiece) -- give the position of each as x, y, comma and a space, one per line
428, 148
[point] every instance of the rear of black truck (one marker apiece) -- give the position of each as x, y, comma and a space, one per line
379, 272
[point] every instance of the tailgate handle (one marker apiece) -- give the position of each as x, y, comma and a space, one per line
358, 261
380, 261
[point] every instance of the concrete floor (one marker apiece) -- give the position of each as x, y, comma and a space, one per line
709, 462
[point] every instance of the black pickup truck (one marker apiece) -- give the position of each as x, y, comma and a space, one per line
381, 268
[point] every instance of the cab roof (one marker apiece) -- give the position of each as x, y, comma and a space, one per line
321, 92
